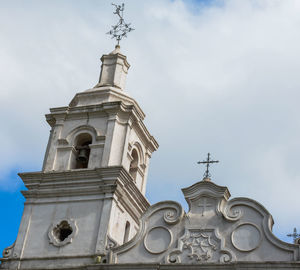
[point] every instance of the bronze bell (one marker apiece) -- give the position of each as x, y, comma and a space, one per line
83, 154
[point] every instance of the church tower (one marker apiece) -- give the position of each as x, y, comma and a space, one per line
89, 195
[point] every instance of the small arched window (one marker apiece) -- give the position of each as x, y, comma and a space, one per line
134, 164
126, 233
83, 150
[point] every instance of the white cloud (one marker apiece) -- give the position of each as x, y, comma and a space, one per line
221, 78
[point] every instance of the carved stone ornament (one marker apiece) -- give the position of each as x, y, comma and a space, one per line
246, 237
157, 240
111, 243
62, 232
7, 252
199, 245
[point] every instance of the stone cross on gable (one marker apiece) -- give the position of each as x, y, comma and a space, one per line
204, 204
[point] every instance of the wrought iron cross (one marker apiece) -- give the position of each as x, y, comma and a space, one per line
208, 161
295, 235
121, 29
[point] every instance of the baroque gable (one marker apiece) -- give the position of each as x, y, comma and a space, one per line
214, 230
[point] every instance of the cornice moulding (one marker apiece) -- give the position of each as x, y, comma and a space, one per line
202, 187
158, 266
102, 94
133, 112
82, 182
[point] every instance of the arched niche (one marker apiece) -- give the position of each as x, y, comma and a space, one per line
140, 152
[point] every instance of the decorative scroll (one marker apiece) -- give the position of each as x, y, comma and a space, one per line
7, 252
232, 212
173, 216
110, 243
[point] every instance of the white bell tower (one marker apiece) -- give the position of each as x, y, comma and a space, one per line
89, 195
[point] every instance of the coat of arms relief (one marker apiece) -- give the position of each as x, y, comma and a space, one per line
199, 246
201, 242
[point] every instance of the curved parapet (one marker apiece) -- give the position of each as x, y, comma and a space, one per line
159, 228
8, 252
215, 230
251, 233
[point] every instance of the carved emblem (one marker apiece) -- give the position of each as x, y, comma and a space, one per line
199, 246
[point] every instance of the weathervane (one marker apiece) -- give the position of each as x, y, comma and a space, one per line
208, 161
295, 235
121, 29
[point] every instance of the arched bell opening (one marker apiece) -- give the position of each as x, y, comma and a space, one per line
134, 164
83, 150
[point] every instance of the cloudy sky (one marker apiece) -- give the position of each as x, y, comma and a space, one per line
211, 76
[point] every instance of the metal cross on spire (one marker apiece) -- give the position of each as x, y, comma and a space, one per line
295, 235
208, 161
121, 29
